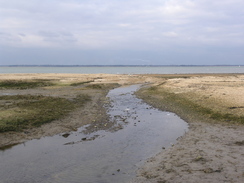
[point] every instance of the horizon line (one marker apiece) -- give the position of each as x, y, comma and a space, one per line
60, 65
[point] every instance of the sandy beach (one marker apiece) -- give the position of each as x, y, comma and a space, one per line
212, 149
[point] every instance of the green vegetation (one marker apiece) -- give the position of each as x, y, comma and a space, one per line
174, 76
19, 84
19, 112
95, 86
80, 83
28, 84
183, 106
26, 111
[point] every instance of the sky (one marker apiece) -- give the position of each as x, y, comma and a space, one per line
121, 32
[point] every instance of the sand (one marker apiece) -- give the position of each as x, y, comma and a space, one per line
208, 152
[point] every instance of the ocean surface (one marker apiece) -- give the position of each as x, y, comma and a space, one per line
126, 69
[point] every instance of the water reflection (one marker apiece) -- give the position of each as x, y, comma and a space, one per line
111, 157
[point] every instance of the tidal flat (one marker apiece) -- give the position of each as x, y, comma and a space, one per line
212, 104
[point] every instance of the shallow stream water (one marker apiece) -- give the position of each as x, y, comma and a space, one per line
99, 157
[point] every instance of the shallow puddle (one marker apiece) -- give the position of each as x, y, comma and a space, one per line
99, 157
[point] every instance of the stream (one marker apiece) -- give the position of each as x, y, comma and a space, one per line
100, 157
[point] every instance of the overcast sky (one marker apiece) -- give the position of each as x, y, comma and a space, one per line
110, 32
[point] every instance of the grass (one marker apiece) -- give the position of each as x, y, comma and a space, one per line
186, 108
28, 84
174, 76
27, 111
19, 112
95, 86
80, 83
20, 84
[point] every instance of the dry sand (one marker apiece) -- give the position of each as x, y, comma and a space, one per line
206, 153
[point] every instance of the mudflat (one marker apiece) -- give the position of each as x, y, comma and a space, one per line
212, 104
55, 86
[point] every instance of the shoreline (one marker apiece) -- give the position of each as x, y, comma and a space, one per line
206, 153
210, 151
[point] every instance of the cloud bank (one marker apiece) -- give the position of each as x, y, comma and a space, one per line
160, 31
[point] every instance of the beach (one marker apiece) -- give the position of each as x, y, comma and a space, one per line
212, 149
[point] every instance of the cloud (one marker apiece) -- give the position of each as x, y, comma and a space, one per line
57, 37
104, 22
121, 25
170, 34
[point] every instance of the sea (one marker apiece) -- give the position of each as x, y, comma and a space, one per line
122, 69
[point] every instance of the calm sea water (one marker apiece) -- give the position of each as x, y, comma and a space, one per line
126, 70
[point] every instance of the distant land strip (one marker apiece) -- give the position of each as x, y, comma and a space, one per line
119, 65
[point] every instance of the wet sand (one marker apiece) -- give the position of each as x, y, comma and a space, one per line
209, 152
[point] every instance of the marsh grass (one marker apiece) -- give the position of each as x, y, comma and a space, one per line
181, 104
96, 86
80, 83
175, 76
27, 111
24, 84
19, 112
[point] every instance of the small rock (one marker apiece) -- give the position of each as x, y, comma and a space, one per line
208, 170
239, 143
66, 135
69, 143
199, 158
83, 139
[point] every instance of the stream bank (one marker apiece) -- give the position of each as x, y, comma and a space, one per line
139, 131
211, 151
